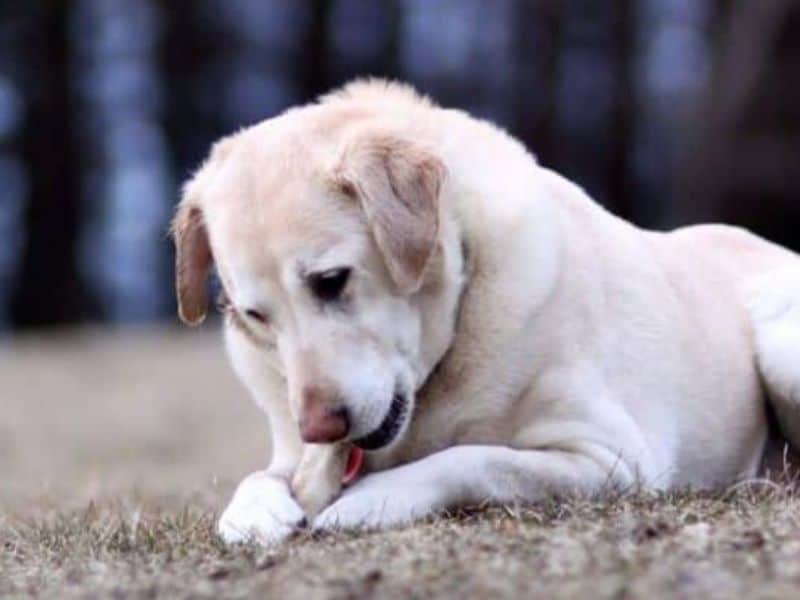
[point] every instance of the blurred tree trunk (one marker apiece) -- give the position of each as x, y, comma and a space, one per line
748, 168
49, 289
314, 75
624, 112
536, 31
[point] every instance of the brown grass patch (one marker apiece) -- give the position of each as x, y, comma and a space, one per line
121, 450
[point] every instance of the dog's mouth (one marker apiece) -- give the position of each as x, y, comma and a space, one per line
389, 428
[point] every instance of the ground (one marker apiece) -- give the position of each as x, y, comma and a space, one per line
118, 450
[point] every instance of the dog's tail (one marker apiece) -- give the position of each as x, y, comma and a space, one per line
775, 314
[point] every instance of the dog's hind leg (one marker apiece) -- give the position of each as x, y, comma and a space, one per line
775, 311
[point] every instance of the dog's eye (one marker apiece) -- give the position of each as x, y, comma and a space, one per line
256, 315
328, 286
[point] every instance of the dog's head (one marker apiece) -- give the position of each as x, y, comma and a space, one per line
328, 253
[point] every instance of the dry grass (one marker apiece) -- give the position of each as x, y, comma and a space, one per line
110, 449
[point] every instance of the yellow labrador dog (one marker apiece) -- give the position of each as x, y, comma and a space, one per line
424, 311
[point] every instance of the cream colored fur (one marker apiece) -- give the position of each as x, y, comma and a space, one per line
547, 346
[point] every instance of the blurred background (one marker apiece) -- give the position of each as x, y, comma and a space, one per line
667, 111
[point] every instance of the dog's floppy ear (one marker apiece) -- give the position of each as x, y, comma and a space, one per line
397, 183
193, 256
192, 262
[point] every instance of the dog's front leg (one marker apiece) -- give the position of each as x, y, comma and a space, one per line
262, 510
465, 475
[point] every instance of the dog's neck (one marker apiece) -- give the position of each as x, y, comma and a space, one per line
439, 299
473, 267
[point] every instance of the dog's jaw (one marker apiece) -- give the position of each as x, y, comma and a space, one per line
390, 428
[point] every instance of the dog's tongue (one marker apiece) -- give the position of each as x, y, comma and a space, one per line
354, 461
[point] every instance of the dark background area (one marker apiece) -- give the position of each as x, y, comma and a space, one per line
666, 111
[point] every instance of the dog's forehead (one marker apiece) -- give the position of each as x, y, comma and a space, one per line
266, 218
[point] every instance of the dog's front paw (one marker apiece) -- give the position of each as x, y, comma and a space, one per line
377, 502
262, 510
